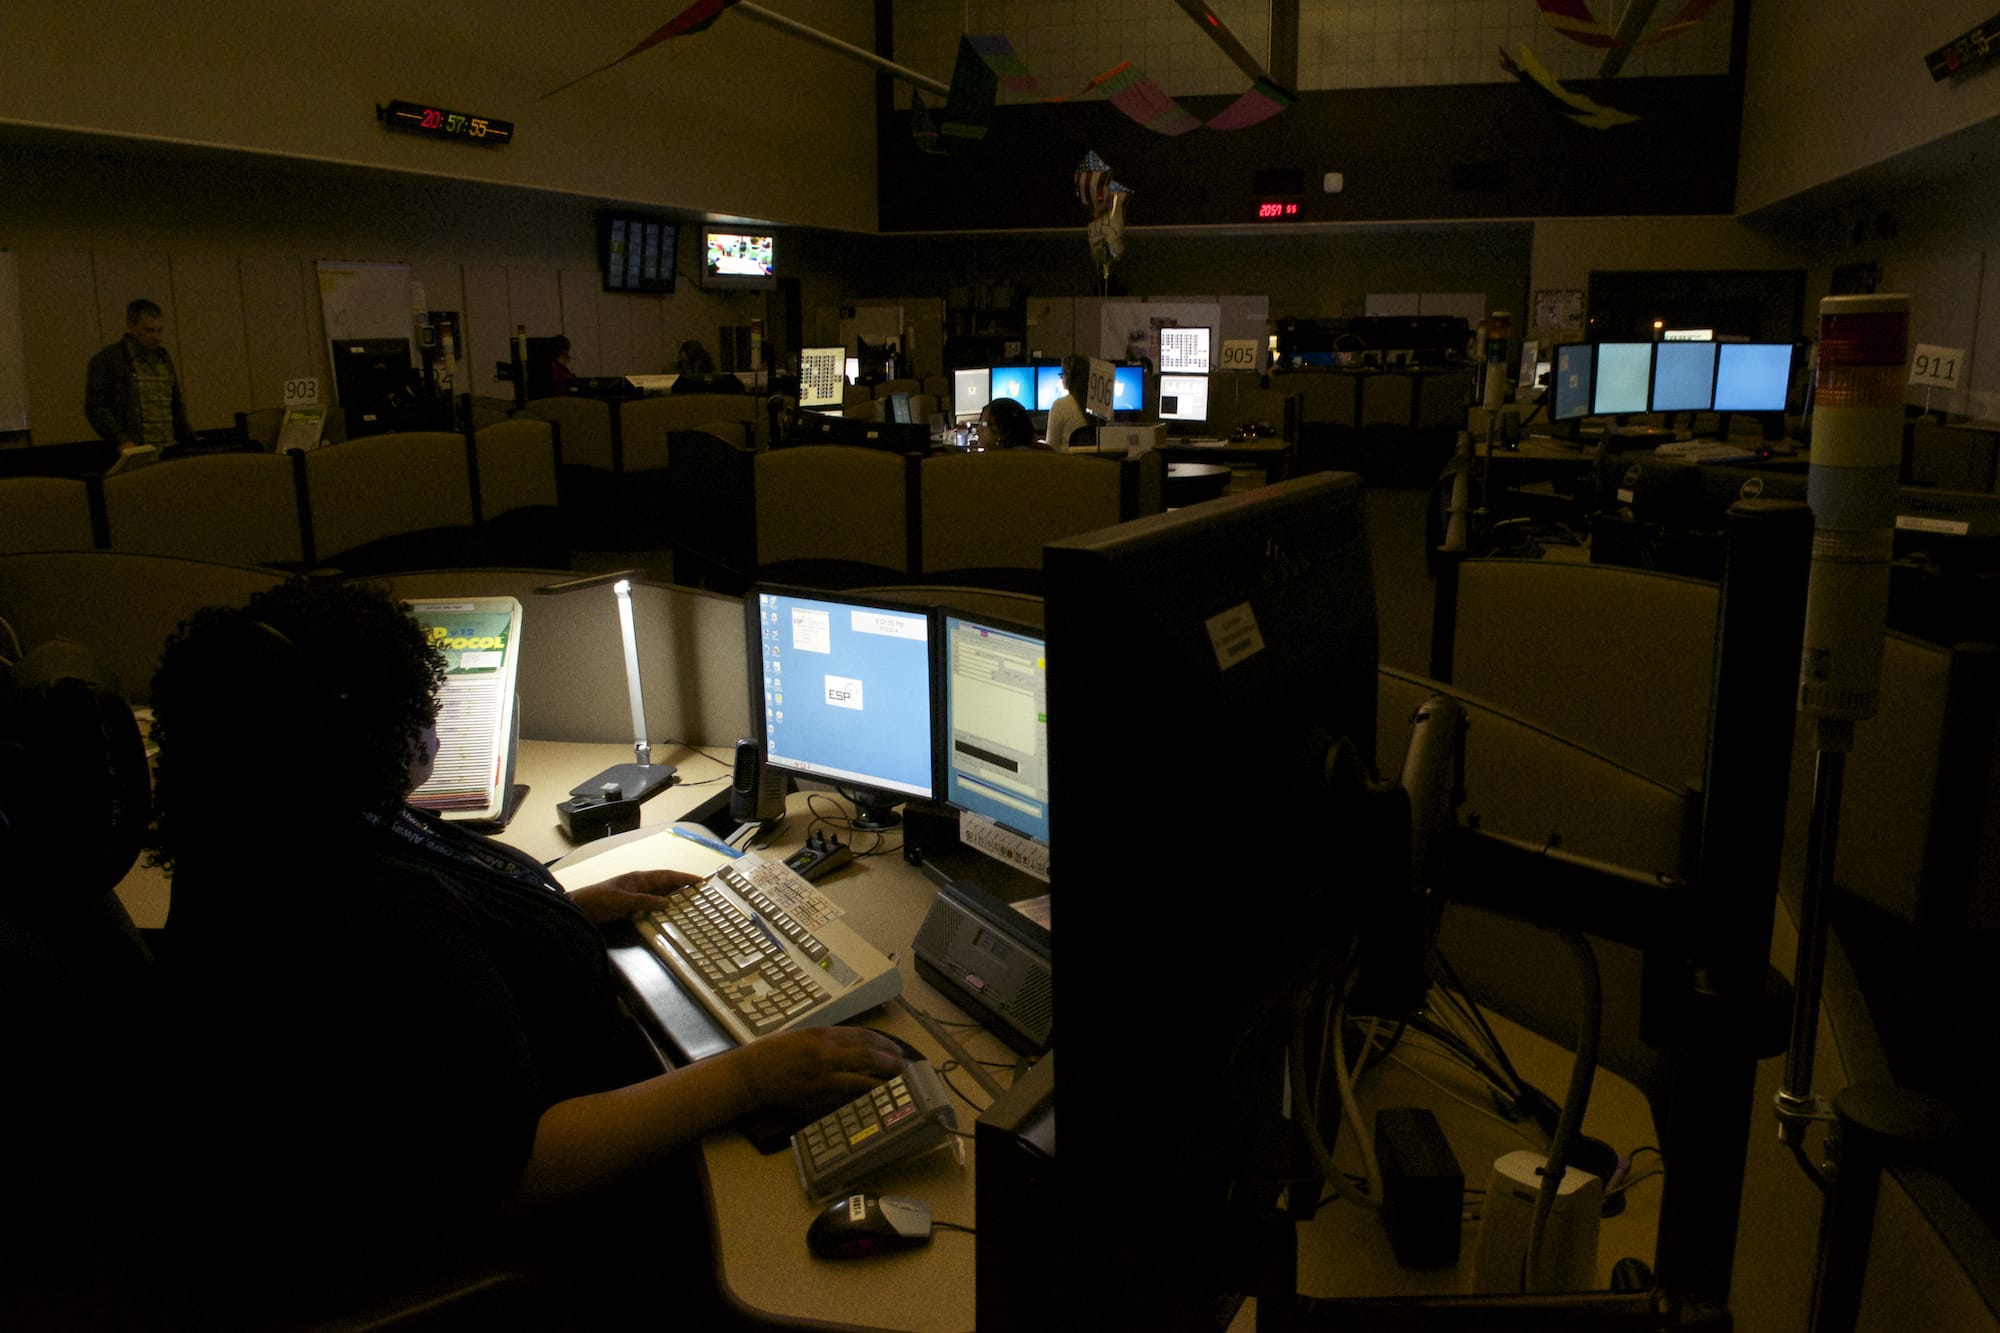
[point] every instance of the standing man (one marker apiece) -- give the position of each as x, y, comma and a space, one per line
131, 393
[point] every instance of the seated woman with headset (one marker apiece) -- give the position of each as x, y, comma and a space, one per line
393, 1035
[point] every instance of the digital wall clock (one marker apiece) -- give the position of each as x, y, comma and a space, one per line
1276, 210
437, 123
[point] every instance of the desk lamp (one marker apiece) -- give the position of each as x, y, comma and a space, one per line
642, 779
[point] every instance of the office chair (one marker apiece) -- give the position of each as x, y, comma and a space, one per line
46, 514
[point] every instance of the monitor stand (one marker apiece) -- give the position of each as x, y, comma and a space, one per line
875, 811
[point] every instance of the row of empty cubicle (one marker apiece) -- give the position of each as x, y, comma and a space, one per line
690, 475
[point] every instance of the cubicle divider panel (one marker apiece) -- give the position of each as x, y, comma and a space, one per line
386, 502
984, 514
831, 514
1618, 659
231, 508
711, 511
46, 514
586, 429
694, 672
119, 606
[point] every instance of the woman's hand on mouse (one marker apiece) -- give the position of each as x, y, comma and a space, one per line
620, 896
795, 1071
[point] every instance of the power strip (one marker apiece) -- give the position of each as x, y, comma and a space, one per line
1004, 845
822, 854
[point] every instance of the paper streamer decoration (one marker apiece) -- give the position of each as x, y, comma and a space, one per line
1574, 20
695, 18
1580, 109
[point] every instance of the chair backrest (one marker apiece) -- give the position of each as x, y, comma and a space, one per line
996, 510
832, 508
938, 387
238, 509
413, 484
586, 428
120, 606
644, 424
711, 509
518, 466
923, 407
866, 409
262, 425
857, 393
887, 387
46, 514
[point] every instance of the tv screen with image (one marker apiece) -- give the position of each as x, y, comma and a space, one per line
738, 258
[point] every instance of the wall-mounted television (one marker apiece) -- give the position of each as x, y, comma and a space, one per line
636, 252
739, 257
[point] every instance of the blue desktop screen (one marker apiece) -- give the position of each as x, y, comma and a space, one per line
1683, 376
847, 690
997, 724
1128, 388
1569, 382
1016, 382
1752, 377
1048, 387
1624, 373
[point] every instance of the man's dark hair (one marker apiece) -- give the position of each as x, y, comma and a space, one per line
297, 712
1076, 374
140, 309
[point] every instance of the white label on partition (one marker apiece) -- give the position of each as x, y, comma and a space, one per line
302, 392
1936, 366
1235, 636
1097, 399
1239, 354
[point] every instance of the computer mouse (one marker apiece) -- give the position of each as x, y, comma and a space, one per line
864, 1224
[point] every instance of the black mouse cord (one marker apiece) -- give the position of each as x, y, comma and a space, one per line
952, 1226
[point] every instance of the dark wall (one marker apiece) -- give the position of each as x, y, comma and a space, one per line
1450, 152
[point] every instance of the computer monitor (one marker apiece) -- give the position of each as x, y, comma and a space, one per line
1048, 387
1184, 350
822, 382
1683, 376
842, 691
1752, 377
898, 409
1570, 381
636, 252
1016, 382
1624, 376
1225, 641
971, 390
996, 722
738, 257
1183, 397
1128, 389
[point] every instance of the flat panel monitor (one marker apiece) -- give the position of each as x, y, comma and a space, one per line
897, 409
1016, 382
822, 382
842, 689
1128, 389
996, 722
971, 390
1184, 350
1183, 397
1243, 630
1683, 376
636, 253
1624, 375
734, 257
1752, 377
1570, 381
1048, 387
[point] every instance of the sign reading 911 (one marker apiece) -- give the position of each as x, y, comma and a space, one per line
1097, 399
1937, 367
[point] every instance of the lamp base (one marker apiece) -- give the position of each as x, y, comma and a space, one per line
632, 782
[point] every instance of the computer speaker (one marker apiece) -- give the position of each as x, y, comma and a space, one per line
756, 790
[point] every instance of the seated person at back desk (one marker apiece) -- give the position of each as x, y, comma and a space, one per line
1068, 414
394, 1041
1004, 424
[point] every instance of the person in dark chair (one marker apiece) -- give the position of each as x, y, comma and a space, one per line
1068, 415
397, 1043
1005, 424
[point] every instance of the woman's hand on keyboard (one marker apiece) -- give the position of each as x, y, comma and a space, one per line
620, 896
802, 1070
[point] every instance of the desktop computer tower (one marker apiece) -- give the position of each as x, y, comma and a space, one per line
1022, 1235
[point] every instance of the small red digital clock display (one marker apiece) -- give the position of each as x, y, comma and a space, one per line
436, 122
1272, 209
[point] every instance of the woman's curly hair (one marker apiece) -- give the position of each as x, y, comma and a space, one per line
298, 712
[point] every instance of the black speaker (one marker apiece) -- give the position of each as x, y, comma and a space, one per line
756, 792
